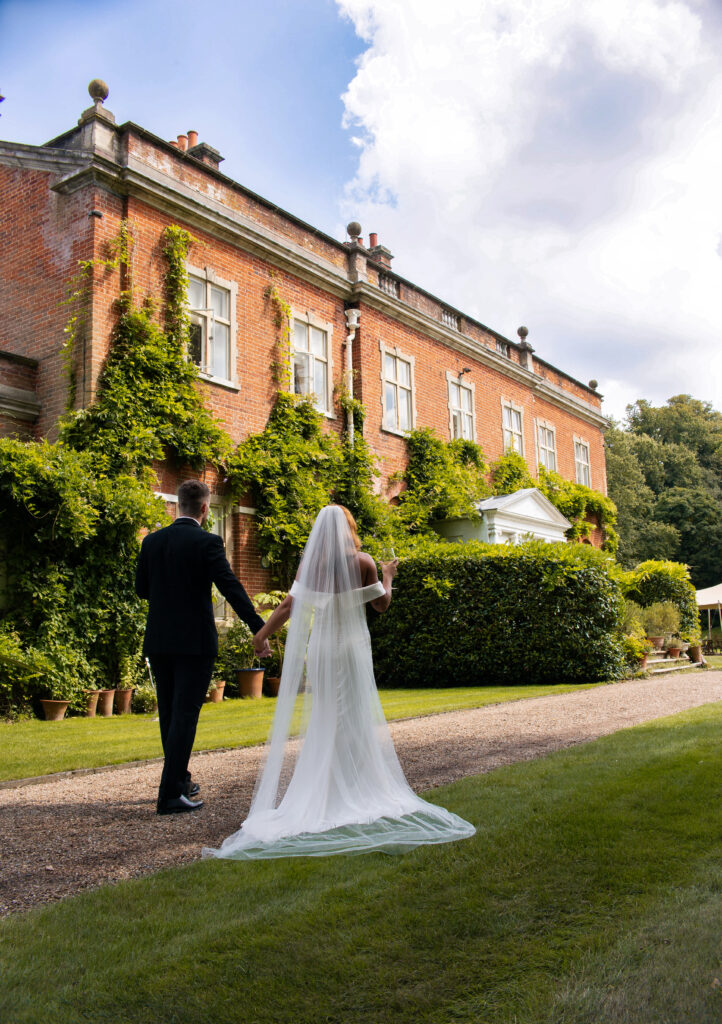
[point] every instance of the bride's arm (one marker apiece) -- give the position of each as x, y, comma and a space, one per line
273, 623
370, 575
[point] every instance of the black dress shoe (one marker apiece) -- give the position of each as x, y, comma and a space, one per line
192, 789
178, 805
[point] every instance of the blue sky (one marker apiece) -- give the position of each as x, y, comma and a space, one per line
261, 83
529, 161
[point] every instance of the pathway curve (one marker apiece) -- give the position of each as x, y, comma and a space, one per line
79, 832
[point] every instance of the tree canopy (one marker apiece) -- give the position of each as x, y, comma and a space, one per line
663, 474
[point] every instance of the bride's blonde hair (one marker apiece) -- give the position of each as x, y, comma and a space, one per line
352, 526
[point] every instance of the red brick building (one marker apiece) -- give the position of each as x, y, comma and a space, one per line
415, 360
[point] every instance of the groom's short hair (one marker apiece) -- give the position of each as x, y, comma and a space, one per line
191, 495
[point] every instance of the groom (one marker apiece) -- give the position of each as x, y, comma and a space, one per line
176, 568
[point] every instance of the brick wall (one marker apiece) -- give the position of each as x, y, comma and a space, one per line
42, 237
44, 234
432, 360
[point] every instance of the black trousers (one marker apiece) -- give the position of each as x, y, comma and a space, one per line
181, 682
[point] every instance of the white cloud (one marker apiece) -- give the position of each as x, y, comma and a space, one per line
555, 164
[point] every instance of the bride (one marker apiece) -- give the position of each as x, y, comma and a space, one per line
332, 782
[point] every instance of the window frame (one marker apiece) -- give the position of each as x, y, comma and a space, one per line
506, 403
395, 351
453, 378
208, 277
309, 319
218, 504
546, 425
577, 462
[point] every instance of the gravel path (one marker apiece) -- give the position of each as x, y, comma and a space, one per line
79, 832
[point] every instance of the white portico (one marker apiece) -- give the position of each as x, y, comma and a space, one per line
510, 518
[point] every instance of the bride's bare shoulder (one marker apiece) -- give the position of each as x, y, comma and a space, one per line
369, 572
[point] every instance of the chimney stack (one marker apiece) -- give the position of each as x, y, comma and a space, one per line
192, 139
183, 142
379, 253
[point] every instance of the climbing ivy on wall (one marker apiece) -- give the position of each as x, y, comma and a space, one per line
147, 406
444, 480
289, 469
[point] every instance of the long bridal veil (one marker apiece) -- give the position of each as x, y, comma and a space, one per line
331, 781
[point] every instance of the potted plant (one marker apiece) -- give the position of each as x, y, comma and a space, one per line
124, 689
659, 620
91, 702
236, 661
694, 649
68, 672
61, 690
122, 699
636, 649
673, 646
215, 691
265, 606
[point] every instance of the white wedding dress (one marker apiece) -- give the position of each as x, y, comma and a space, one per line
332, 782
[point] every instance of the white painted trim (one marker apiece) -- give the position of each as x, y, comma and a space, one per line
548, 425
509, 404
454, 378
245, 509
209, 275
577, 439
394, 350
310, 318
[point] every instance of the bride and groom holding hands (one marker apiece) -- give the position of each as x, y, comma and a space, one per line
331, 781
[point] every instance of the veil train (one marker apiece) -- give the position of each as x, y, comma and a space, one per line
331, 782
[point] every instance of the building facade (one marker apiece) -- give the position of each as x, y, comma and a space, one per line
411, 358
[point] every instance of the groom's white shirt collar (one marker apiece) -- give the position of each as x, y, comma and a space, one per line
192, 520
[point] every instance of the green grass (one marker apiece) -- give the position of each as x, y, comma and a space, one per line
33, 747
590, 895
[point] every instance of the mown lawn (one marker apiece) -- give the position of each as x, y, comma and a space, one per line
32, 747
591, 894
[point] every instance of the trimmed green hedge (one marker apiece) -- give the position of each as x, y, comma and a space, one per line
475, 614
651, 581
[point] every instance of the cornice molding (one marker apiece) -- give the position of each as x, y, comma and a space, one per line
166, 193
19, 403
397, 309
42, 158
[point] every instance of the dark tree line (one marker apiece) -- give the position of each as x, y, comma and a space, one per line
664, 473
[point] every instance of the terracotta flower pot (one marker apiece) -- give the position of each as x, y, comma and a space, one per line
643, 662
250, 682
657, 642
674, 652
216, 694
91, 698
122, 701
54, 710
695, 653
271, 685
105, 703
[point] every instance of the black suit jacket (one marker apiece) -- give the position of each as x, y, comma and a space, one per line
176, 568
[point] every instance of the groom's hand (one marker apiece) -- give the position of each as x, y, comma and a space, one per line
261, 648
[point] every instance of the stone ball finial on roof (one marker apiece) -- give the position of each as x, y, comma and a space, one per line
354, 229
593, 384
522, 332
98, 90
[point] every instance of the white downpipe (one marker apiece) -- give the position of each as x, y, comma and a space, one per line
352, 319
